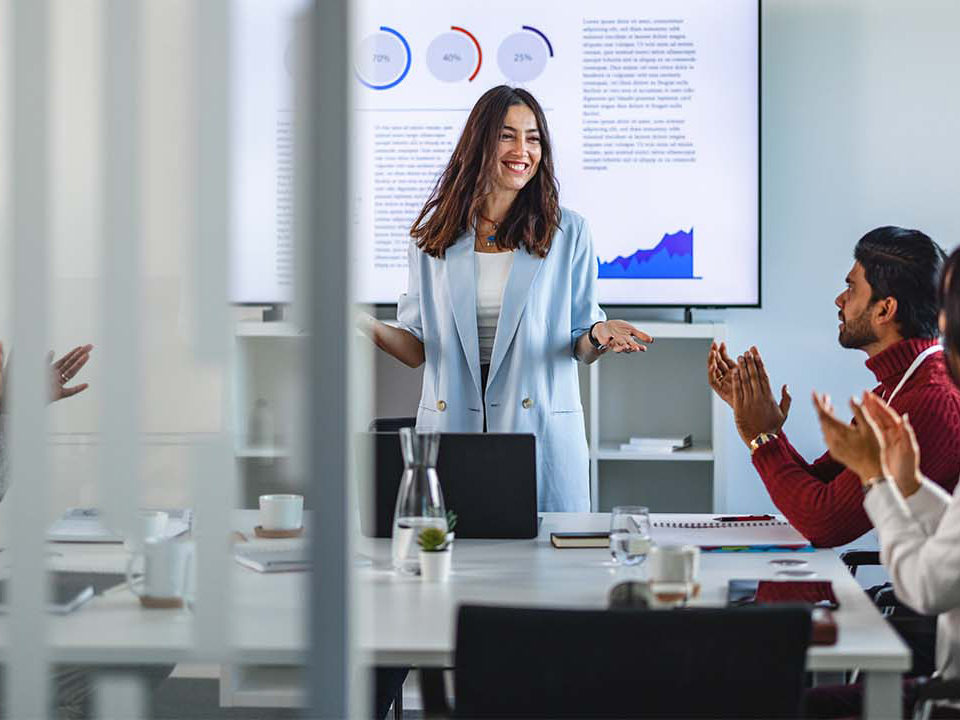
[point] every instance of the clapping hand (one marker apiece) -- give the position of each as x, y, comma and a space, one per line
856, 445
719, 372
755, 409
620, 336
899, 450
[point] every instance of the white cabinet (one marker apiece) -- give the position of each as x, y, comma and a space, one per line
661, 392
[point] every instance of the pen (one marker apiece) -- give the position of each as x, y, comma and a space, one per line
743, 518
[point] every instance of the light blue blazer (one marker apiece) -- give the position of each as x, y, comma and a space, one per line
533, 385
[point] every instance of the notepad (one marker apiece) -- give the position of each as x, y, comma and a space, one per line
708, 534
85, 525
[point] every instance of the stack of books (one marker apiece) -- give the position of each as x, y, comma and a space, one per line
660, 444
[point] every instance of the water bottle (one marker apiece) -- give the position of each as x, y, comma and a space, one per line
420, 500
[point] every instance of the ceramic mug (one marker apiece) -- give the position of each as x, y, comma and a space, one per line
167, 569
673, 572
149, 524
281, 512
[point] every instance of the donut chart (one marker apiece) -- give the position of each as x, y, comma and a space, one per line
383, 59
523, 56
455, 56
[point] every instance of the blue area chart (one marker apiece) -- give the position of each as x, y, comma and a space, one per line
671, 259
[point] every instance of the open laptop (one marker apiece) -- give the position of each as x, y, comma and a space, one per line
488, 479
69, 590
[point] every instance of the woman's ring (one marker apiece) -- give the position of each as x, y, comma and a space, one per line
63, 378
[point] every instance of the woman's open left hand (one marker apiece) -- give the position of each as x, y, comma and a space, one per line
619, 336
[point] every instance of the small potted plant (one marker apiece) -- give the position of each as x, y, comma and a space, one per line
451, 524
434, 555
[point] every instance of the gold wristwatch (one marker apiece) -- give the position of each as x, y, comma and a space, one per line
761, 439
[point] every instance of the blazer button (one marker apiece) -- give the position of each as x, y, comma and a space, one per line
441, 405
527, 403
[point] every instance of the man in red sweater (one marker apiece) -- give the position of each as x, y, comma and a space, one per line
889, 310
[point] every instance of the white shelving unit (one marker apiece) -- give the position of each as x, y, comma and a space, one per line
662, 392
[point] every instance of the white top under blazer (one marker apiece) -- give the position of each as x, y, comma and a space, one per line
492, 272
532, 387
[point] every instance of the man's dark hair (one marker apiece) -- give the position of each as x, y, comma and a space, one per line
905, 265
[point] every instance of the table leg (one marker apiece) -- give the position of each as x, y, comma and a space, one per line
882, 695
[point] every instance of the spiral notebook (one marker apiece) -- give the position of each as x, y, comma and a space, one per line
712, 535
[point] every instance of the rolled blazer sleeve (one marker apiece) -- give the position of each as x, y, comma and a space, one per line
920, 547
584, 310
408, 307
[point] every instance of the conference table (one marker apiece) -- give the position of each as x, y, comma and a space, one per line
404, 621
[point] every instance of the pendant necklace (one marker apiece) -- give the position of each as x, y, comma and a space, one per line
492, 239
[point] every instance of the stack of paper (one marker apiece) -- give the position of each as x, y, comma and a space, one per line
656, 444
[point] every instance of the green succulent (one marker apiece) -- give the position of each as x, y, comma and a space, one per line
451, 520
432, 540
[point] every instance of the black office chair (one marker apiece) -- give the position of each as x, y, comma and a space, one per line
693, 663
931, 691
918, 631
391, 424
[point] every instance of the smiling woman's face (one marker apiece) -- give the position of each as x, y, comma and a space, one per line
518, 149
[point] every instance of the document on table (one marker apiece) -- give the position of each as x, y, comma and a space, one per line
85, 525
710, 534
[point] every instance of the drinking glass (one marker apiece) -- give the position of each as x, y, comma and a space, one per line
629, 534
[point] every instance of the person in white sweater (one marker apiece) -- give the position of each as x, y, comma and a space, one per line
918, 523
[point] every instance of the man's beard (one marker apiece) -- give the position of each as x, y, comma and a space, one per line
857, 333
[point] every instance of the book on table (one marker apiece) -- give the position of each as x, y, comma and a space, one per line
714, 535
562, 540
268, 560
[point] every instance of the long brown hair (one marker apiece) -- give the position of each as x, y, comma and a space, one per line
457, 199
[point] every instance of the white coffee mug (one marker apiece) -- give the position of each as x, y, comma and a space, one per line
281, 512
149, 524
674, 563
167, 569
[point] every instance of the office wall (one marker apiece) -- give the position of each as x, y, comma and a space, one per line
861, 128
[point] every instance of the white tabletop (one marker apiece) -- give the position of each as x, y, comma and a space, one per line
405, 621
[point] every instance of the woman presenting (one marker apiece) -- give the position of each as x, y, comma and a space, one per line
501, 300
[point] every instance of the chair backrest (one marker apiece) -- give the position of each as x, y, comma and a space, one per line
693, 663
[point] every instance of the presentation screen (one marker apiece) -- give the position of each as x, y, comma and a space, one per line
652, 107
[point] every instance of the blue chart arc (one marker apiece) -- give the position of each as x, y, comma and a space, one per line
383, 59
670, 259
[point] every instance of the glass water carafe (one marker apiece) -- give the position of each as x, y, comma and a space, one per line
420, 500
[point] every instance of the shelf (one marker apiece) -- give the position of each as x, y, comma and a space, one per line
697, 453
254, 328
674, 330
262, 452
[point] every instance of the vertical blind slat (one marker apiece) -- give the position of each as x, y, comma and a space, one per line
29, 465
